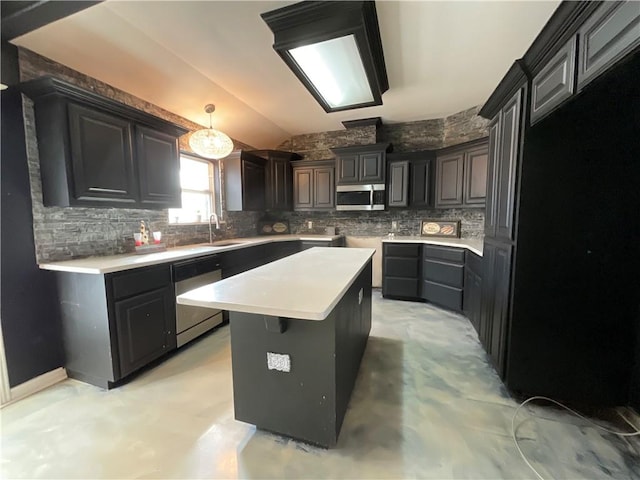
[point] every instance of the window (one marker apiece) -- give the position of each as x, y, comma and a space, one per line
198, 194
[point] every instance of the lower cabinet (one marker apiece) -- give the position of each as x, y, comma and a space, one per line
472, 297
116, 323
401, 270
496, 278
443, 276
145, 328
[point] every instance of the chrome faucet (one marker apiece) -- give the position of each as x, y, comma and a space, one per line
213, 218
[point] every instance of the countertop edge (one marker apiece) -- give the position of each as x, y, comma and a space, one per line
458, 242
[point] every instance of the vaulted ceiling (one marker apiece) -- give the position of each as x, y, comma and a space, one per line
442, 57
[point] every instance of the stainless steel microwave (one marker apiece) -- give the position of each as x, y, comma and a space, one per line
360, 197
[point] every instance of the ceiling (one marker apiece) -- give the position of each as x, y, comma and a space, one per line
442, 57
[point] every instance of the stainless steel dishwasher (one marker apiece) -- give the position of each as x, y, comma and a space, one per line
192, 322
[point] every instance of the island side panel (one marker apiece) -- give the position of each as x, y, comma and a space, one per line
353, 324
299, 403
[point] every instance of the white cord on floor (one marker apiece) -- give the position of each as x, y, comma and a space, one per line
515, 439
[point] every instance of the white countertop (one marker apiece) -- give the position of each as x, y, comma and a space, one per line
116, 263
307, 285
473, 244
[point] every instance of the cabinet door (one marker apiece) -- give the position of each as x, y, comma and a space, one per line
158, 168
475, 176
303, 188
398, 183
506, 167
449, 180
555, 82
488, 294
420, 190
492, 184
371, 167
101, 157
347, 166
607, 36
145, 328
280, 184
253, 185
500, 307
324, 195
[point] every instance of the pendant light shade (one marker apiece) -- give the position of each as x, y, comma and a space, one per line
210, 143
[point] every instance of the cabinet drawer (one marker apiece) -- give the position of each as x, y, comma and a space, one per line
451, 254
401, 267
448, 297
402, 250
401, 287
474, 262
447, 273
126, 284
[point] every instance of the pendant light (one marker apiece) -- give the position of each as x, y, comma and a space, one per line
208, 142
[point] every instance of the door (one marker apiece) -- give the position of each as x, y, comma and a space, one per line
303, 188
159, 168
371, 167
449, 180
475, 176
280, 184
420, 191
506, 168
492, 184
143, 324
101, 157
347, 168
253, 185
398, 195
324, 196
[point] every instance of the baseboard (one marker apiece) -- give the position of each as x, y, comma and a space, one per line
36, 384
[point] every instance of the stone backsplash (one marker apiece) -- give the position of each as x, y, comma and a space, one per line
374, 224
73, 232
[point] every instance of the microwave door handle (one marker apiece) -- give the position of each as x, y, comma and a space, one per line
371, 198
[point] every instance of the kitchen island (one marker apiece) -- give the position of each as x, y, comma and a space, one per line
299, 327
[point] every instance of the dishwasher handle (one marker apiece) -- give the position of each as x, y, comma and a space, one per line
192, 268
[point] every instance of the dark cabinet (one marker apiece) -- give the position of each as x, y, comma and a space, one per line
96, 152
245, 178
606, 37
114, 324
259, 180
494, 317
443, 276
158, 171
472, 295
410, 179
144, 327
398, 191
101, 156
401, 270
554, 83
361, 164
461, 175
505, 143
313, 185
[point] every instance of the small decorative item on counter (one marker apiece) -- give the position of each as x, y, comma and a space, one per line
137, 237
440, 228
156, 237
142, 241
273, 227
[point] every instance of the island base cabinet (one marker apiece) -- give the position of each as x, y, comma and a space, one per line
305, 392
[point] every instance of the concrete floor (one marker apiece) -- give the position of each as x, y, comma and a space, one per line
426, 404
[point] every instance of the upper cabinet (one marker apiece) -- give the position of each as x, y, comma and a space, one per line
611, 33
314, 185
410, 179
461, 175
95, 152
360, 164
257, 180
